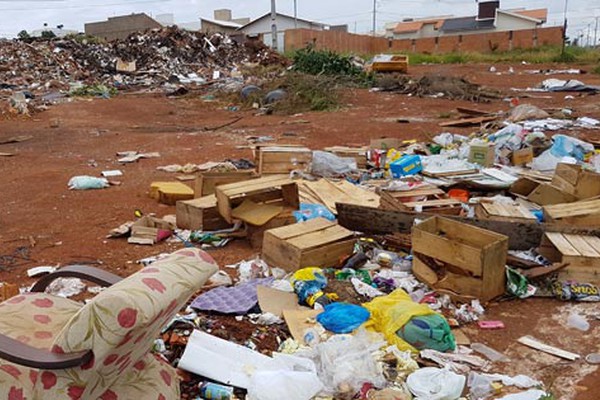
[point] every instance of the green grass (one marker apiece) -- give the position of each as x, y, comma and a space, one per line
596, 70
542, 55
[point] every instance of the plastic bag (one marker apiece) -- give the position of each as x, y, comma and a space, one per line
428, 332
435, 384
308, 284
563, 148
525, 112
87, 182
390, 313
343, 317
312, 211
345, 362
329, 165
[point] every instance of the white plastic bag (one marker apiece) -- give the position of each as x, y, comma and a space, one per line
329, 165
435, 384
87, 182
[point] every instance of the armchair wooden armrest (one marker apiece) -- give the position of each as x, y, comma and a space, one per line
20, 353
92, 274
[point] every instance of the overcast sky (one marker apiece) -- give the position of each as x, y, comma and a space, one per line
16, 15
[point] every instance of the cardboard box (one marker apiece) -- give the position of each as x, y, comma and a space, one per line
170, 193
574, 180
200, 215
149, 230
385, 143
523, 156
460, 259
206, 182
274, 190
314, 243
282, 160
582, 253
8, 290
484, 154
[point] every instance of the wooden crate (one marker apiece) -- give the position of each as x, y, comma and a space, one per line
581, 213
256, 234
574, 180
200, 215
274, 189
548, 194
504, 212
459, 259
358, 153
582, 253
282, 159
207, 181
170, 193
314, 243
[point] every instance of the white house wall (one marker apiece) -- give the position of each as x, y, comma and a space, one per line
283, 24
505, 22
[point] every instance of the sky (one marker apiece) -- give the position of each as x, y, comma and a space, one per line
16, 15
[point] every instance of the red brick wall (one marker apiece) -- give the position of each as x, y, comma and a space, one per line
344, 42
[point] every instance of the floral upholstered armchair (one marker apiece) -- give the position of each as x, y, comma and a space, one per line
55, 348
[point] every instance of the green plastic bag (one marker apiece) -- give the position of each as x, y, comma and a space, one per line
392, 312
428, 332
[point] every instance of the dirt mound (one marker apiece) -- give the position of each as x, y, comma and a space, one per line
438, 86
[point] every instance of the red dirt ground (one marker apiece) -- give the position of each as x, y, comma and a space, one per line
70, 226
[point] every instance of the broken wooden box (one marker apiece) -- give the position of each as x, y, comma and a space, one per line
275, 190
207, 181
282, 159
582, 253
314, 243
459, 259
200, 215
576, 181
541, 193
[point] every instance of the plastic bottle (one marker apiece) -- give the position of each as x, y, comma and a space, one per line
311, 337
214, 391
578, 322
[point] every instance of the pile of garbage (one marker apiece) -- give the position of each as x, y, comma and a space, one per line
436, 86
148, 59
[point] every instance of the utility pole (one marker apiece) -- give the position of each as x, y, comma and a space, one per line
374, 17
295, 14
564, 43
596, 33
274, 43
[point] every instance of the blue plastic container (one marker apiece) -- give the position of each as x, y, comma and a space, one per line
405, 166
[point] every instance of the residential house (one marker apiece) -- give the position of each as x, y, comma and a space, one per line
490, 18
261, 27
58, 32
121, 26
223, 21
169, 20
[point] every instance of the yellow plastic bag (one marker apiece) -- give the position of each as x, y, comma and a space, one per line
390, 313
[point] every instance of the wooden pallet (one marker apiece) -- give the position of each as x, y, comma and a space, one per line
581, 253
431, 199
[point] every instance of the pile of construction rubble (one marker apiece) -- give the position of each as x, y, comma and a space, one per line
148, 59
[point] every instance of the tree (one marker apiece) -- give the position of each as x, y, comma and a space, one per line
48, 35
23, 35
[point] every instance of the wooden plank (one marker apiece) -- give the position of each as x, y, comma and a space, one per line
468, 121
301, 228
522, 235
255, 184
546, 194
433, 203
582, 246
594, 242
532, 342
581, 208
328, 255
562, 244
432, 191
